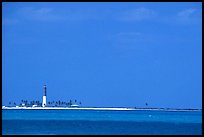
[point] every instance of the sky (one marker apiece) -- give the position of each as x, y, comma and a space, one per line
103, 54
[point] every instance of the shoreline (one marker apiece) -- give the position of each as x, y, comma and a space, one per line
94, 108
63, 108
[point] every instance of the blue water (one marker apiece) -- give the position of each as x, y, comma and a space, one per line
96, 122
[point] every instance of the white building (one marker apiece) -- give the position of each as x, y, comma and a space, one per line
44, 97
75, 105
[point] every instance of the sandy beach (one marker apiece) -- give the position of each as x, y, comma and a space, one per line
97, 108
67, 108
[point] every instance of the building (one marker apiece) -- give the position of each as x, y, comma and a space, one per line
75, 105
44, 97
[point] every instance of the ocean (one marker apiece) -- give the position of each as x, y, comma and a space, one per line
101, 122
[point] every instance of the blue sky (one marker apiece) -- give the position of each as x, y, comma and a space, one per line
103, 54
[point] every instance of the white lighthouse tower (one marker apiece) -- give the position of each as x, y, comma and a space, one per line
44, 97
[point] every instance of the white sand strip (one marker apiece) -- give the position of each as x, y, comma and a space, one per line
95, 108
68, 108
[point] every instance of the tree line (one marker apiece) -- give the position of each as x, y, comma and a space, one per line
49, 103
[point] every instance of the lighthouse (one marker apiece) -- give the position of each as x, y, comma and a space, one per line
44, 97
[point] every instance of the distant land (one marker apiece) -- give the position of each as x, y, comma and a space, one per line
101, 108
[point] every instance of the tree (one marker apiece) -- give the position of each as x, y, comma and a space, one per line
38, 103
26, 102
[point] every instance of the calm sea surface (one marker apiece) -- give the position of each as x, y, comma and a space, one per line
96, 122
